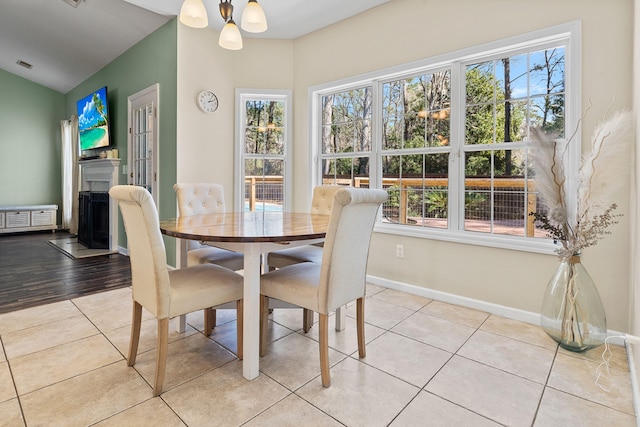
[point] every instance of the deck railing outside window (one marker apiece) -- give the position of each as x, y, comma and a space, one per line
423, 202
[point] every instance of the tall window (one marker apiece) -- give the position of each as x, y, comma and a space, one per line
346, 137
505, 97
448, 138
416, 122
262, 150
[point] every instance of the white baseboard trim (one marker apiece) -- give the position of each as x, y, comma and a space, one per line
123, 251
499, 310
634, 380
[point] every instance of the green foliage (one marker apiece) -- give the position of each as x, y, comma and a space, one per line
437, 202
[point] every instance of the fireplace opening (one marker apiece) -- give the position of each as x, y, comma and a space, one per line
93, 219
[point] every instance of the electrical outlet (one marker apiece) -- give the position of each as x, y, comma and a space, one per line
400, 251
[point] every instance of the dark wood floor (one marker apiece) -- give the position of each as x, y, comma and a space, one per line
33, 272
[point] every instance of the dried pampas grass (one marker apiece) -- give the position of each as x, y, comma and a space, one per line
579, 220
609, 144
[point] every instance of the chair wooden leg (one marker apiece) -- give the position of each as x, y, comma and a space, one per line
264, 318
360, 327
362, 352
209, 320
161, 355
324, 349
307, 319
239, 325
136, 320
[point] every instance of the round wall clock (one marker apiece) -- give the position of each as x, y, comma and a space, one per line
207, 101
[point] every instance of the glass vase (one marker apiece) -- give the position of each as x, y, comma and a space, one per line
572, 311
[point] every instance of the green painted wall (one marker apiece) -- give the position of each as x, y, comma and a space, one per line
151, 61
30, 169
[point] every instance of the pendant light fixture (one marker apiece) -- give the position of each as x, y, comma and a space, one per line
230, 37
253, 19
193, 14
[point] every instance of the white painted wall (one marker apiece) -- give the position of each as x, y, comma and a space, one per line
408, 30
389, 35
205, 142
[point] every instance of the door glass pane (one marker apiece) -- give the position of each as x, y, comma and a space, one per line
143, 173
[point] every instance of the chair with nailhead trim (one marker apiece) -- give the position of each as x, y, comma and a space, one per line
204, 198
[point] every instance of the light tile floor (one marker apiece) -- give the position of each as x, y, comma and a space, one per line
428, 363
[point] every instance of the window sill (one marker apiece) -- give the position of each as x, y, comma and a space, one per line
470, 238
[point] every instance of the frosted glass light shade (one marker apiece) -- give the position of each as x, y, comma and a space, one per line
193, 14
253, 19
230, 37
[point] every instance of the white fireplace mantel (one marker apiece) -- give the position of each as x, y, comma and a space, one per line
101, 175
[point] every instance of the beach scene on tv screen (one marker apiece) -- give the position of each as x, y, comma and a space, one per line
93, 120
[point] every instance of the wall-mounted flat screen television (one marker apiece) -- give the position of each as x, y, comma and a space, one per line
93, 120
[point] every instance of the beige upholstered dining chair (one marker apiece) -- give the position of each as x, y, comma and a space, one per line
321, 203
164, 293
340, 277
204, 198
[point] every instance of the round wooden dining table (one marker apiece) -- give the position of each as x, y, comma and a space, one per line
252, 233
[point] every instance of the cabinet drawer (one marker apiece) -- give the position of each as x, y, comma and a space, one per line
18, 219
42, 218
1, 219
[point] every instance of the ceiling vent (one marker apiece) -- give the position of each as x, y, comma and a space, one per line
73, 3
24, 64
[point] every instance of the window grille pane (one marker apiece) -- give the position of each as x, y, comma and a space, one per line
480, 80
264, 185
418, 189
514, 121
438, 128
547, 71
352, 171
477, 192
547, 113
498, 203
342, 138
362, 141
264, 127
415, 111
507, 96
479, 126
346, 121
253, 141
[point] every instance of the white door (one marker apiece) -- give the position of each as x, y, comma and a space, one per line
142, 144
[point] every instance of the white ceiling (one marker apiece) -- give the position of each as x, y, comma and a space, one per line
66, 45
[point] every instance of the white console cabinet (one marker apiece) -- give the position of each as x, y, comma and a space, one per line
15, 219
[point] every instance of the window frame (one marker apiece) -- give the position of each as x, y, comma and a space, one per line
568, 35
243, 95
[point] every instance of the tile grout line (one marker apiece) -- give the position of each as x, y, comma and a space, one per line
13, 381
